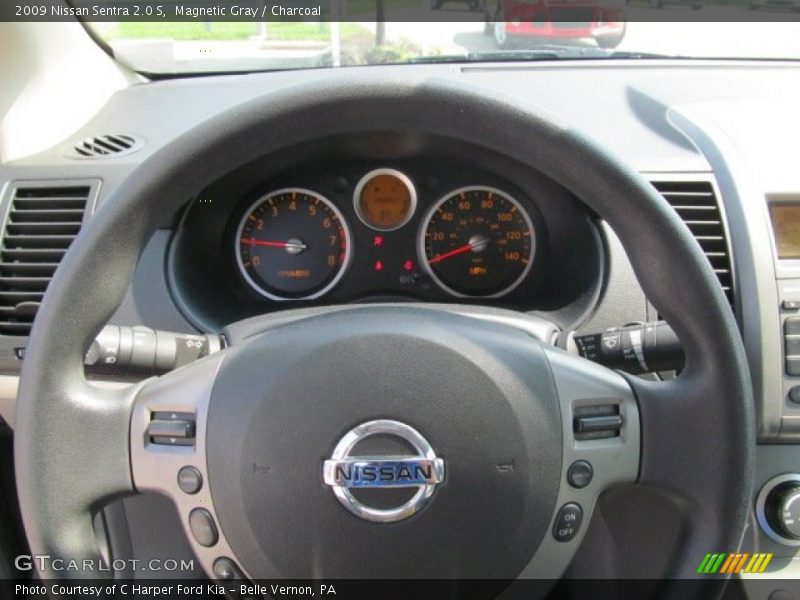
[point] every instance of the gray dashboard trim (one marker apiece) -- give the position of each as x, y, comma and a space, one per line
757, 295
621, 298
629, 65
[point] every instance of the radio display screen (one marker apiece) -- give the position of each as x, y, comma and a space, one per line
786, 224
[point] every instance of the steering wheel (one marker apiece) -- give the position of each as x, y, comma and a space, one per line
478, 415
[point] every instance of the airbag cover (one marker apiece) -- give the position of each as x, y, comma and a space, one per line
481, 394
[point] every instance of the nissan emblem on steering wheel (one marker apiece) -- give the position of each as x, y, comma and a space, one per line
346, 472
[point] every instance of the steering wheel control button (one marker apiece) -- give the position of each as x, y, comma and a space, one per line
348, 471
190, 480
794, 394
580, 474
793, 366
203, 528
792, 343
791, 326
171, 429
597, 422
226, 570
568, 522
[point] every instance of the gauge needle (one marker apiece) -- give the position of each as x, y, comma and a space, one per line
292, 246
476, 243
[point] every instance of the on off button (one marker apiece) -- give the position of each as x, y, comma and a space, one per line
568, 522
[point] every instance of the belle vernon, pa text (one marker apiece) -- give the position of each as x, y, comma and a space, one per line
173, 591
263, 12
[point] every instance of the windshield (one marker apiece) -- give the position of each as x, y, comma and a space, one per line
477, 30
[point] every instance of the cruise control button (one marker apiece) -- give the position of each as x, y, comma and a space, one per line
791, 326
793, 366
792, 345
568, 522
225, 569
791, 305
203, 528
794, 394
175, 429
171, 428
580, 474
190, 480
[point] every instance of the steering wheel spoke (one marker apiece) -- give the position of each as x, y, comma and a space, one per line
685, 461
97, 419
168, 453
600, 449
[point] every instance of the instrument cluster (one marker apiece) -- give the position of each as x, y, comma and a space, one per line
422, 230
476, 241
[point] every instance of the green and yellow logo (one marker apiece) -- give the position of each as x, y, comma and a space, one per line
725, 563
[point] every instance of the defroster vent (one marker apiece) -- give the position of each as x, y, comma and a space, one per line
42, 222
106, 146
698, 206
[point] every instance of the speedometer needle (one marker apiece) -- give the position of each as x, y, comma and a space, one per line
477, 243
446, 255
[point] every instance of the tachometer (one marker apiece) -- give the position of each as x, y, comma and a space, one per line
292, 244
477, 241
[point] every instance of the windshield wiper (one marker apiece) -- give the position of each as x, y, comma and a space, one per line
545, 52
499, 55
644, 55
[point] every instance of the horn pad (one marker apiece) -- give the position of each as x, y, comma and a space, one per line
480, 394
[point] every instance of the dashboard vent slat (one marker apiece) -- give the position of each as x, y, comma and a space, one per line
106, 146
697, 205
38, 241
57, 228
17, 327
41, 224
46, 215
25, 255
28, 269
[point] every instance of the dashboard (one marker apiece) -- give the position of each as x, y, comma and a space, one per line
395, 216
383, 217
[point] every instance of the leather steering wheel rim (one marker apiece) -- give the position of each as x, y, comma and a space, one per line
698, 431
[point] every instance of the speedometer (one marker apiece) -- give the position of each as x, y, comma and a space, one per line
292, 244
477, 241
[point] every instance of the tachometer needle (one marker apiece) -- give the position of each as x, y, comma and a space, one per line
290, 246
477, 243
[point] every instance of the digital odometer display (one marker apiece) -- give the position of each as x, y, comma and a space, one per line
478, 242
385, 199
292, 244
786, 225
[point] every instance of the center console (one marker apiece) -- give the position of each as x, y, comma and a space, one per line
784, 230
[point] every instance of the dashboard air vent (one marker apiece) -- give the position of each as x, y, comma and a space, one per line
104, 146
697, 205
41, 224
